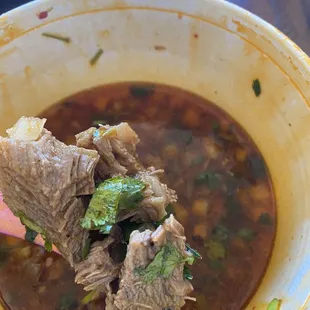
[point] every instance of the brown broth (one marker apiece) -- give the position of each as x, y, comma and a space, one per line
225, 194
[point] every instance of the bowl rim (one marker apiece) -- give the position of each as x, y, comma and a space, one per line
282, 51
281, 44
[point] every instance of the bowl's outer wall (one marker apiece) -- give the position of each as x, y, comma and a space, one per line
211, 48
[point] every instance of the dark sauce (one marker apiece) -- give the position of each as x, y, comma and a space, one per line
225, 193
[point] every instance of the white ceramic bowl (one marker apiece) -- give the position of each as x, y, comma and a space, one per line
209, 47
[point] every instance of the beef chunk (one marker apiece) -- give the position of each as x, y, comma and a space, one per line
99, 269
158, 286
42, 181
116, 146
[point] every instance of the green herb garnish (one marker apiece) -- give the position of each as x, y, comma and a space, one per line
275, 304
211, 179
265, 219
257, 166
256, 87
220, 233
246, 234
127, 228
142, 91
86, 248
30, 235
112, 196
187, 274
56, 37
48, 245
96, 57
67, 302
93, 295
169, 210
32, 226
216, 250
99, 122
194, 252
165, 261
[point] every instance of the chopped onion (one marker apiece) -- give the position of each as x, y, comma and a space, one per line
27, 129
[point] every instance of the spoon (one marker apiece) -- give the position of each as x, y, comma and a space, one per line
11, 225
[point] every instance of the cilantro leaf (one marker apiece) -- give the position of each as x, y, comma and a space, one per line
169, 210
187, 273
193, 251
32, 228
111, 196
93, 295
211, 179
30, 235
216, 250
142, 91
48, 245
86, 248
246, 234
265, 219
256, 87
163, 264
275, 304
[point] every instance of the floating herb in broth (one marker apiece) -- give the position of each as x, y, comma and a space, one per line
225, 200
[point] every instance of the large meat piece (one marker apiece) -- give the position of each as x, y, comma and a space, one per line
116, 146
99, 269
152, 276
42, 181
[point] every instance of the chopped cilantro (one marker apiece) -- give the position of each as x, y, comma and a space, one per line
96, 57
246, 234
67, 302
32, 226
110, 197
216, 249
93, 295
86, 248
99, 122
275, 304
165, 261
30, 235
256, 87
211, 179
193, 251
187, 273
220, 233
265, 219
142, 91
127, 228
169, 210
56, 37
48, 245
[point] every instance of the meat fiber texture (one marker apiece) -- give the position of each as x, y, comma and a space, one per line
44, 180
162, 293
116, 146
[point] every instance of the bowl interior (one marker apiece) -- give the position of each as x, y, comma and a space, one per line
213, 49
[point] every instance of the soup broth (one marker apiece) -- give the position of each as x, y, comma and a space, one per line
225, 204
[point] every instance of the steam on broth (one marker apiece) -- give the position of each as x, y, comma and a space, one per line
225, 204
